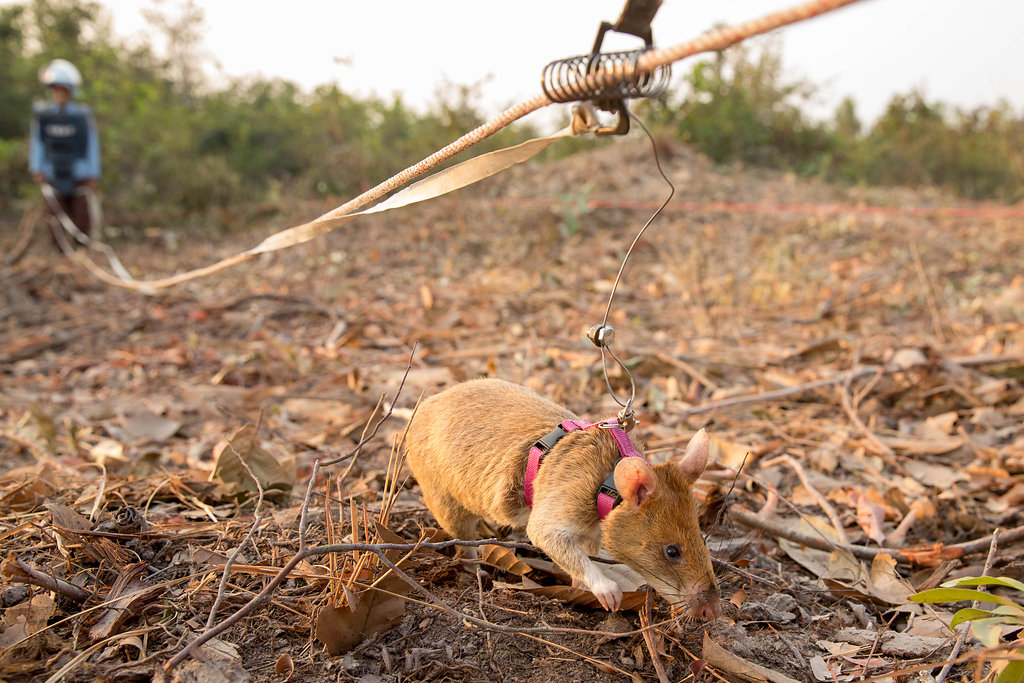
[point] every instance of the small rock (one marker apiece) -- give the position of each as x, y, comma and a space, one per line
13, 595
615, 623
733, 638
903, 645
856, 636
783, 602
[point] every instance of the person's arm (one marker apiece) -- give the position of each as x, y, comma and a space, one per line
92, 171
35, 151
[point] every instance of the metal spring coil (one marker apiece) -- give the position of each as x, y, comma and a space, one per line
602, 77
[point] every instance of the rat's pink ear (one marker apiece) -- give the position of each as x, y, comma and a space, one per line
634, 479
695, 459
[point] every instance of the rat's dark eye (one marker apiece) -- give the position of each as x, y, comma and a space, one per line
673, 553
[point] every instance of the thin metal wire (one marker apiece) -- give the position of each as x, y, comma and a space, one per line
657, 212
618, 277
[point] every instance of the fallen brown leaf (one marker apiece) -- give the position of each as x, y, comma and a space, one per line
342, 628
720, 658
503, 558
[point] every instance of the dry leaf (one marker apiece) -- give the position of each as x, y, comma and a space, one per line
870, 516
939, 426
65, 518
881, 584
148, 426
720, 658
922, 446
284, 667
106, 450
936, 476
728, 453
25, 488
21, 621
233, 478
932, 555
1011, 499
504, 559
885, 583
128, 596
376, 611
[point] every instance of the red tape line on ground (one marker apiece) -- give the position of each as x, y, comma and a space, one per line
744, 207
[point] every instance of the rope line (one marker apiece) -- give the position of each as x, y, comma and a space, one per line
757, 207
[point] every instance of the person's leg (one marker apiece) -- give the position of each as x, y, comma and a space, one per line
80, 213
53, 221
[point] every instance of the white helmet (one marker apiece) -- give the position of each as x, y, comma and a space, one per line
61, 72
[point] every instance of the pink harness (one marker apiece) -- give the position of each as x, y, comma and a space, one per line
608, 496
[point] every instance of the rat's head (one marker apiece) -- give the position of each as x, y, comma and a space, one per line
655, 531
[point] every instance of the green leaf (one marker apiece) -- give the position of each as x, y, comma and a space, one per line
1015, 613
1013, 672
988, 631
985, 581
958, 594
969, 614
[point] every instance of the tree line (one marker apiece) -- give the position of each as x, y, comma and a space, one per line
174, 144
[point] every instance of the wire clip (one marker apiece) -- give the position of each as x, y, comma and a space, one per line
601, 335
608, 79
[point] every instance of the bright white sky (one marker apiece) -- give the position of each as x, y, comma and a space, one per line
964, 53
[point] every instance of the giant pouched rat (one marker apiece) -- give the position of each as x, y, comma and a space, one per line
468, 447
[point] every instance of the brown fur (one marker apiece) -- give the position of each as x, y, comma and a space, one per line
468, 448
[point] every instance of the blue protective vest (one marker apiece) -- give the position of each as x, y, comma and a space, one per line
64, 146
65, 139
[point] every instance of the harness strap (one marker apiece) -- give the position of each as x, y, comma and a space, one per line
541, 448
608, 496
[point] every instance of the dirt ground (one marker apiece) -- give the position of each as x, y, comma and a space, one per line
867, 366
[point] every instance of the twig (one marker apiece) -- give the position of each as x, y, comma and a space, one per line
16, 571
652, 647
822, 501
929, 290
85, 654
907, 555
848, 376
238, 550
29, 445
26, 230
264, 595
363, 441
851, 411
766, 396
98, 502
965, 629
998, 652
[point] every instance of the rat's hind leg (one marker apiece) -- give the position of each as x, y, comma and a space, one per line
455, 519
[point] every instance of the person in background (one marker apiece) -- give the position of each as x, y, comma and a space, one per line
64, 147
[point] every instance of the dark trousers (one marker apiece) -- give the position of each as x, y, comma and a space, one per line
76, 206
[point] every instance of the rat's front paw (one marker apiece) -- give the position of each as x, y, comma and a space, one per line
608, 593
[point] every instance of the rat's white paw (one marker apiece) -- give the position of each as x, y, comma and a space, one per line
608, 593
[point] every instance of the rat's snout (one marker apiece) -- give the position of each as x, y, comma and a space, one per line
705, 605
